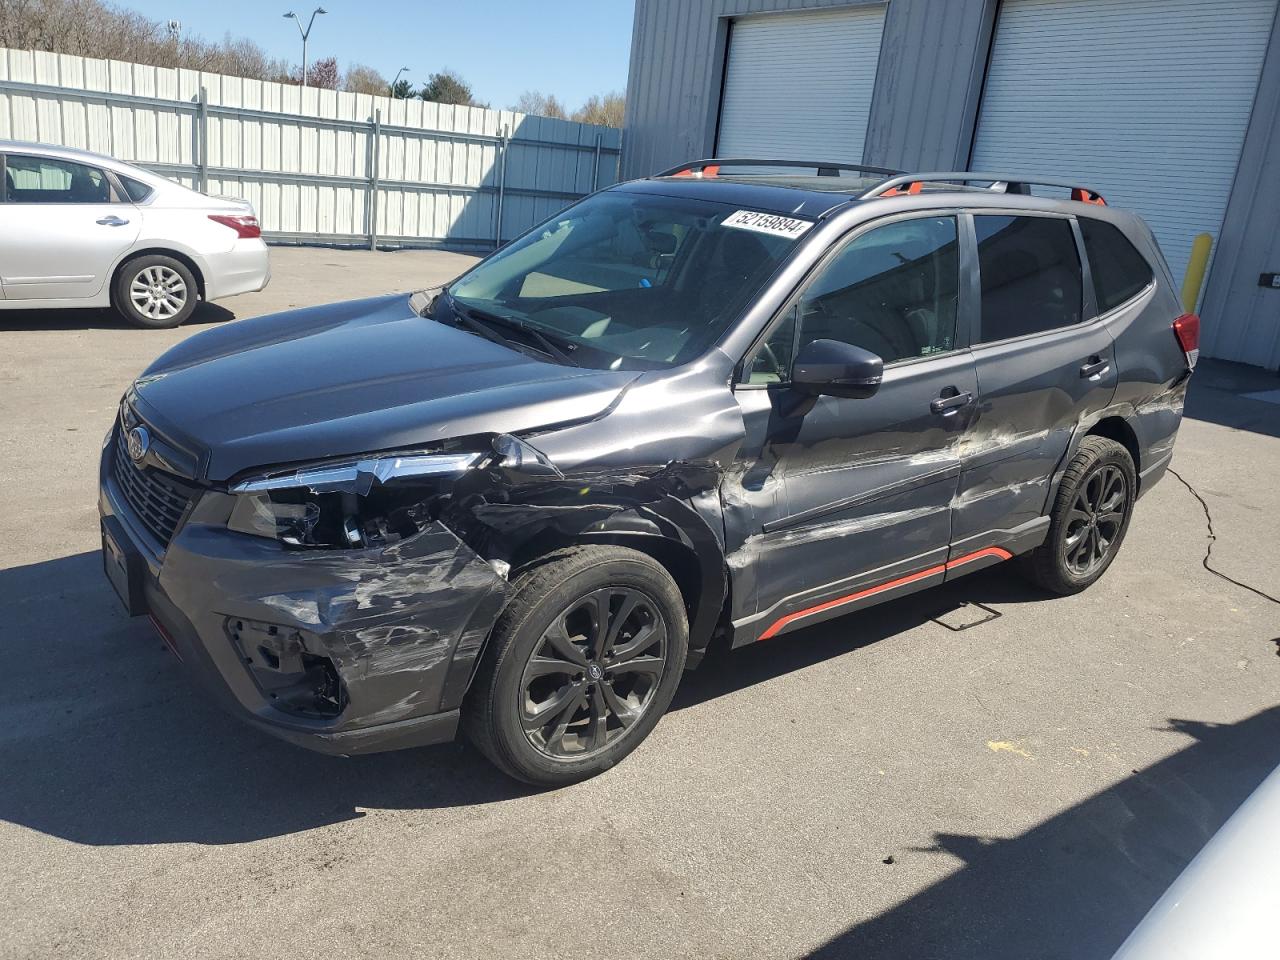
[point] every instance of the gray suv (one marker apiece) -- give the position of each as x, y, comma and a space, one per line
729, 401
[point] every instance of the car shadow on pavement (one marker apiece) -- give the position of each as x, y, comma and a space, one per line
1077, 884
964, 600
99, 319
104, 741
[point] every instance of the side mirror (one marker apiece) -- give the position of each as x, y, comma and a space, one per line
836, 369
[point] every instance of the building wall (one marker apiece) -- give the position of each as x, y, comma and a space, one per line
919, 118
1241, 319
933, 62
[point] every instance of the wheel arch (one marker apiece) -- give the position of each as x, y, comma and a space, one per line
184, 258
692, 557
1117, 428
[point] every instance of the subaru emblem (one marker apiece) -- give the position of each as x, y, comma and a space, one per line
138, 441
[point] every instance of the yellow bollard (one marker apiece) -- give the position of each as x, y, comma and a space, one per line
1196, 267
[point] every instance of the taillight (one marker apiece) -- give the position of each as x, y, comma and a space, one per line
1187, 329
245, 225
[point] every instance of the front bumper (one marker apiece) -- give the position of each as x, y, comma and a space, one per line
391, 634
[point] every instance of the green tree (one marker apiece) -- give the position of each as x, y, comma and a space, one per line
448, 87
402, 90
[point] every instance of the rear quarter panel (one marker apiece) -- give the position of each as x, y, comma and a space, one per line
1152, 367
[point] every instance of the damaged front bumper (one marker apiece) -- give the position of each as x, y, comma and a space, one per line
342, 651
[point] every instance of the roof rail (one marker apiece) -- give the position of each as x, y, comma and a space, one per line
712, 166
1000, 182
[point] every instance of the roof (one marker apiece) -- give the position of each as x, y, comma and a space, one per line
781, 195
838, 185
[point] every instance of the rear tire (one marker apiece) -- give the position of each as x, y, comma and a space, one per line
556, 699
1089, 519
155, 292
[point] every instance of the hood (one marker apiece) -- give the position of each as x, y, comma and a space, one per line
352, 378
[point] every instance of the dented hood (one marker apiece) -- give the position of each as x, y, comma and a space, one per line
352, 378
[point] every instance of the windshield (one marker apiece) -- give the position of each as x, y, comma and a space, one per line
627, 281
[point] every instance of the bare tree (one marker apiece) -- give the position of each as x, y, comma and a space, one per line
540, 105
322, 73
607, 110
360, 78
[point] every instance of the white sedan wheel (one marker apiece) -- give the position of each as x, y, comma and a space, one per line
158, 292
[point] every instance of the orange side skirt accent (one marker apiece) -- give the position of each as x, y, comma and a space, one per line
880, 588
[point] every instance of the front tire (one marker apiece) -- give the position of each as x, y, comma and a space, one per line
155, 292
1089, 519
580, 666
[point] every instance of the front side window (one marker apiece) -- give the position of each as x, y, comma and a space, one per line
1119, 271
1031, 277
630, 281
891, 290
46, 180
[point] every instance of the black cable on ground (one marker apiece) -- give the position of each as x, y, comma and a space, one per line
1208, 519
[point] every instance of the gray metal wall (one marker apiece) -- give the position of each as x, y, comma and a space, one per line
318, 165
920, 117
1241, 319
933, 62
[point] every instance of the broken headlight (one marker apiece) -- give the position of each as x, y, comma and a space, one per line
366, 502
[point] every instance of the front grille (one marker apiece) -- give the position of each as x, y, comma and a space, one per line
159, 500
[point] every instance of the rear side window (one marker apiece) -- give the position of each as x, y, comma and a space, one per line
1031, 277
136, 189
1119, 271
46, 180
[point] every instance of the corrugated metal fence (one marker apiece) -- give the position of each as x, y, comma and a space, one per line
318, 165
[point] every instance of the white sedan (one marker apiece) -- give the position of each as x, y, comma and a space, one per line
78, 229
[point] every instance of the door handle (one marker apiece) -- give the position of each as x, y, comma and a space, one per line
947, 406
1095, 368
112, 221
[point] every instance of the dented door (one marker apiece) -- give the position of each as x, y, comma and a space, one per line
844, 502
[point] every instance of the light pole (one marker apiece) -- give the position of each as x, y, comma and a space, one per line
305, 33
396, 81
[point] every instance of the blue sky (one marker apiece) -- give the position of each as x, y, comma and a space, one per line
571, 48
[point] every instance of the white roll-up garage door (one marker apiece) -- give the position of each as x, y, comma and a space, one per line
798, 85
1147, 101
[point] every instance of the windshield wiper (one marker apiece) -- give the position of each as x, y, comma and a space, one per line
483, 322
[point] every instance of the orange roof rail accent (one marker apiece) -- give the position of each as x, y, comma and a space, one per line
1087, 196
710, 170
912, 189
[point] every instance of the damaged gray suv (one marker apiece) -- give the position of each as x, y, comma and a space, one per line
708, 404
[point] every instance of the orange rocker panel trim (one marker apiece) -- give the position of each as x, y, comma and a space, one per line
880, 588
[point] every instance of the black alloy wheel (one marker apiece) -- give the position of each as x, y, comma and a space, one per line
580, 666
1095, 520
594, 673
1089, 518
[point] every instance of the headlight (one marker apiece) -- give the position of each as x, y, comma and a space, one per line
352, 504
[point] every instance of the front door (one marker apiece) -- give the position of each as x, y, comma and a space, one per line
61, 229
1041, 370
849, 501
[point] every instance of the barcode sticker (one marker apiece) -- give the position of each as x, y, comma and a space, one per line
769, 223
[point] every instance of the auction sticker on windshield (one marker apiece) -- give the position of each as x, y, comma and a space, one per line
769, 223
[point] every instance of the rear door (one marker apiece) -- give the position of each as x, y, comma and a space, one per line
848, 501
62, 227
1042, 368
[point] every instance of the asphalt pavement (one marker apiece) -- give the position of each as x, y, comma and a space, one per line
977, 772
